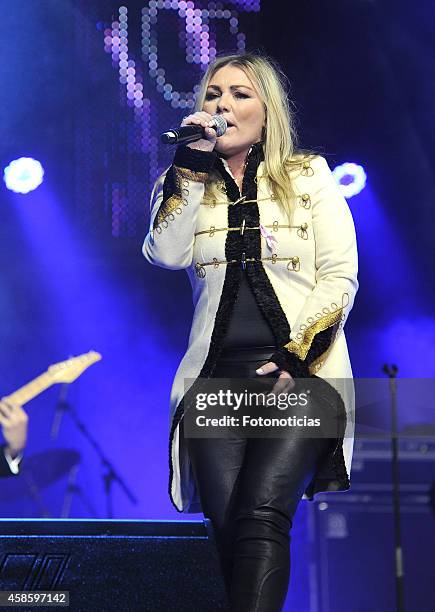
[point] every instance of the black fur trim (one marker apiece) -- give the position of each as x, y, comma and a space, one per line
193, 159
290, 362
334, 467
169, 185
320, 344
250, 244
169, 189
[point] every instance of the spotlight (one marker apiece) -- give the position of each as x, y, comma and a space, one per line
23, 175
351, 178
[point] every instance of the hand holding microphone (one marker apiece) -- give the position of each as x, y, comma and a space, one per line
200, 130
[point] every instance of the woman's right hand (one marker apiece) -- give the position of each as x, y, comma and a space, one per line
203, 119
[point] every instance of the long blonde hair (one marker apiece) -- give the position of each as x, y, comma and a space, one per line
279, 138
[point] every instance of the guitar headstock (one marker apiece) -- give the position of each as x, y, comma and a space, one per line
67, 371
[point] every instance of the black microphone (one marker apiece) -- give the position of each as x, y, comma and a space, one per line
191, 133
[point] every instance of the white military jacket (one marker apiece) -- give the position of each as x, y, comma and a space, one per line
304, 281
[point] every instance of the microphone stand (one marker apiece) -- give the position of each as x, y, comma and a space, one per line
110, 475
35, 494
391, 371
61, 407
71, 490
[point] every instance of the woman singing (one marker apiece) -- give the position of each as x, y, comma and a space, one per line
269, 245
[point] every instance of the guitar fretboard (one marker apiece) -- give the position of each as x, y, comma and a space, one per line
24, 394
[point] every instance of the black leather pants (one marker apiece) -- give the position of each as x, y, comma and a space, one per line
249, 489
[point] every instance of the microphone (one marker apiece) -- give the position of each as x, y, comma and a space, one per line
191, 133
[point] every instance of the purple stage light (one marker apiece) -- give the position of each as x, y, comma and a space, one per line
23, 175
351, 178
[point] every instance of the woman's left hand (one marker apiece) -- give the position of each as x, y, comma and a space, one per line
285, 380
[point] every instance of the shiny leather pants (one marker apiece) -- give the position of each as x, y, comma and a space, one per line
249, 489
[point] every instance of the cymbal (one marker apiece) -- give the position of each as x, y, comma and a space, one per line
38, 471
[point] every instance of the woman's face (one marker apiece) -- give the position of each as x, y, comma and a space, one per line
232, 94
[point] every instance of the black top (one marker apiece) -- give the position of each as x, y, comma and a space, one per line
248, 327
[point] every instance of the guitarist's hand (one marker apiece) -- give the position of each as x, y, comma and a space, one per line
13, 421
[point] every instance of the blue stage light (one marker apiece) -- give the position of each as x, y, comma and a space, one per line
351, 178
23, 175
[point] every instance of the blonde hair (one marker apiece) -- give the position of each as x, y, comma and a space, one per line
281, 155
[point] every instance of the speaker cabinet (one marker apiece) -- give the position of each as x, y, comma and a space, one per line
352, 533
139, 566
